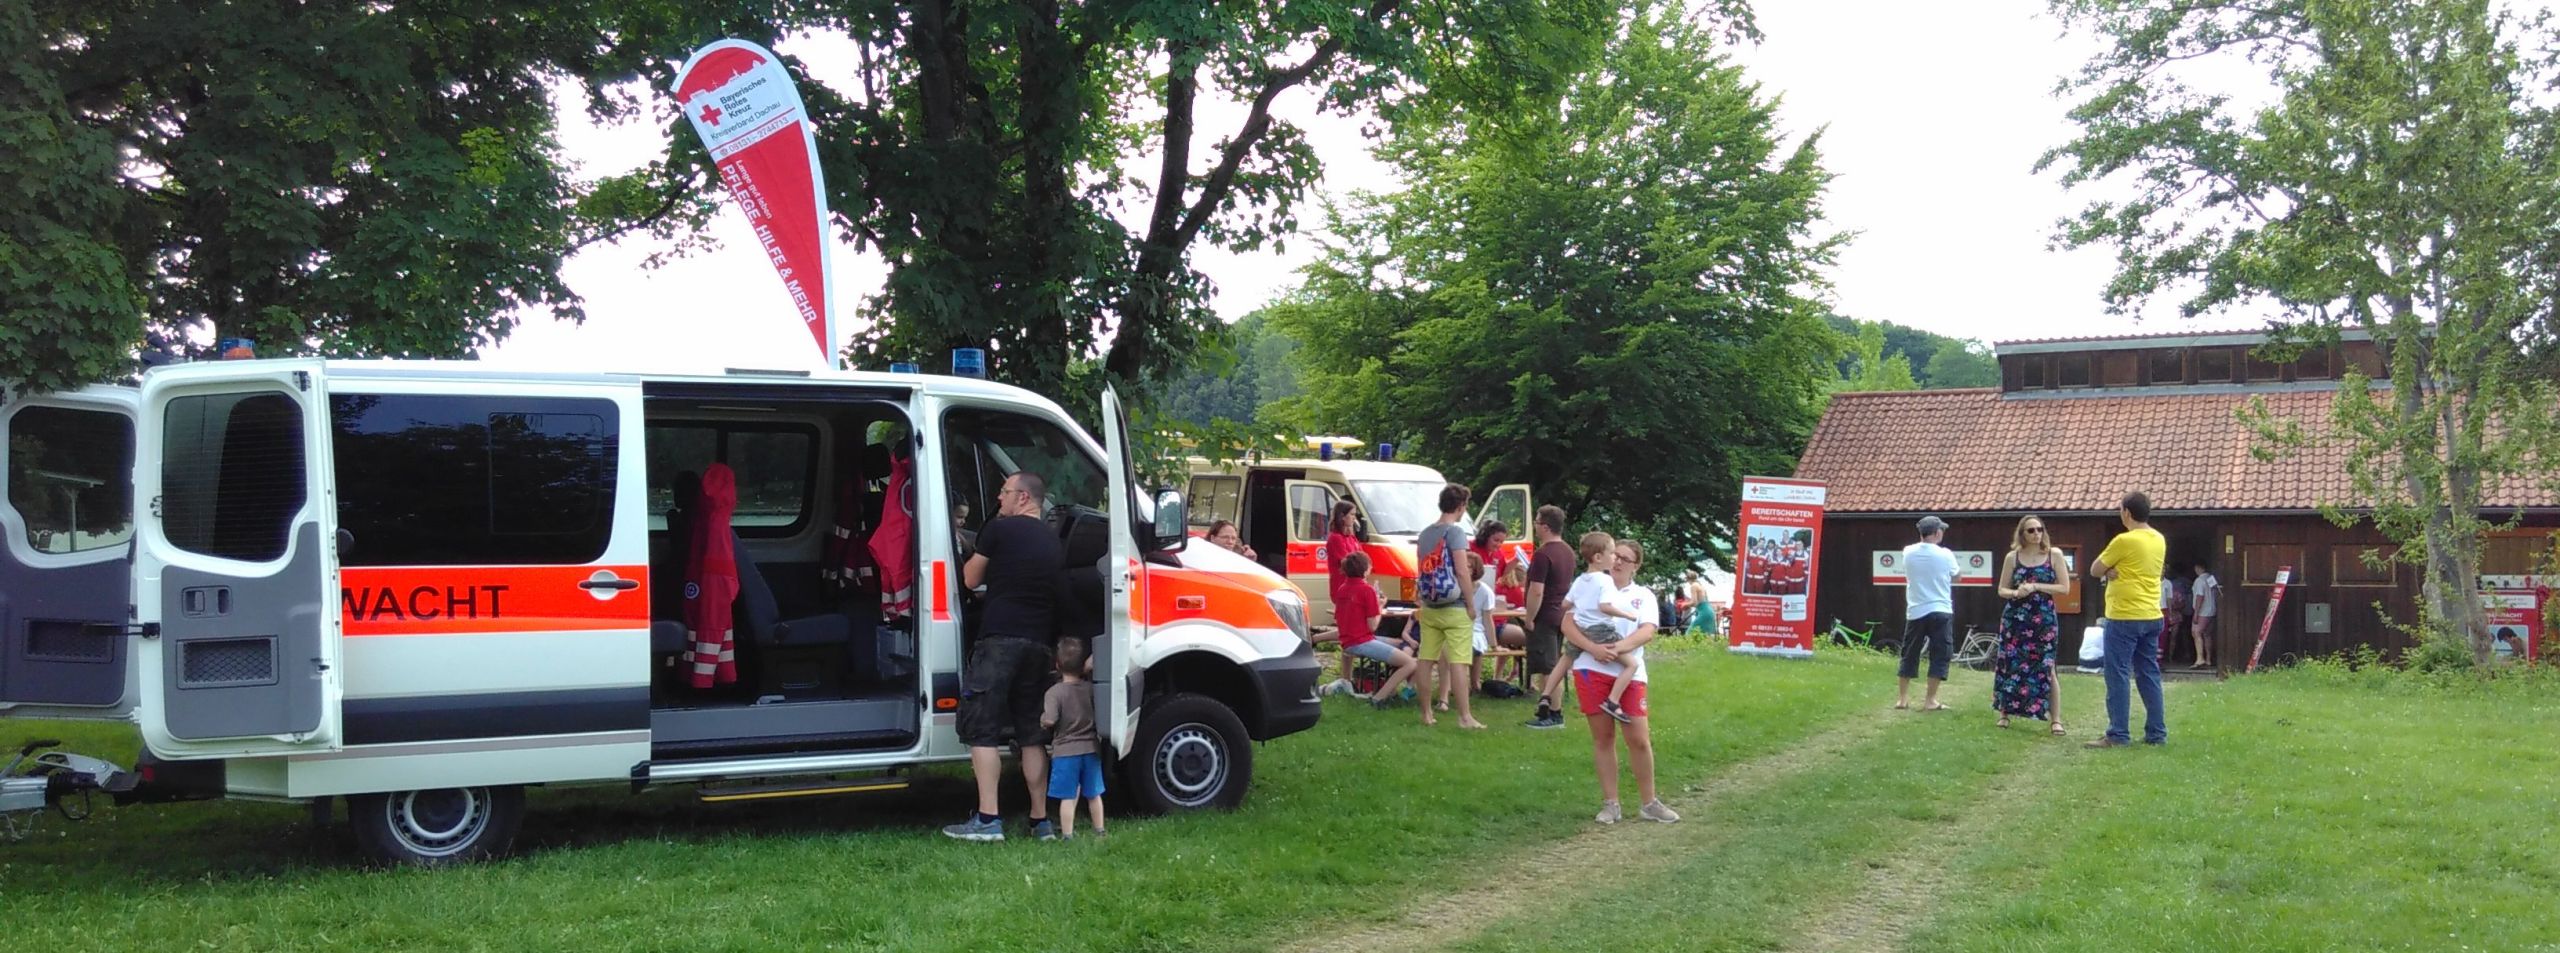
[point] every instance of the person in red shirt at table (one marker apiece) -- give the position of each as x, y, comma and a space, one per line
1356, 611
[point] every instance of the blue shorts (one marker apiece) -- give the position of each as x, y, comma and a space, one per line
1075, 777
1376, 650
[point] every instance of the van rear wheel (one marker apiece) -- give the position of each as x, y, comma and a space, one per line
1191, 753
439, 827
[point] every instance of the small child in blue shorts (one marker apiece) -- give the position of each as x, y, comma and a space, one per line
1075, 760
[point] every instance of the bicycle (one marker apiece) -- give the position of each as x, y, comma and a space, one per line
1843, 634
1978, 648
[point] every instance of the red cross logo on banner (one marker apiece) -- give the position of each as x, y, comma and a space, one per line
711, 114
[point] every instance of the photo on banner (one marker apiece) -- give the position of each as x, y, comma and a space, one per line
1775, 566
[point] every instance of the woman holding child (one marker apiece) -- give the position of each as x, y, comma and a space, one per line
1609, 674
2022, 681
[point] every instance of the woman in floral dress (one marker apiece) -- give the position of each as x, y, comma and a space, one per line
2022, 682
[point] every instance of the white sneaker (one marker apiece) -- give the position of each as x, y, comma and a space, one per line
1658, 811
1608, 813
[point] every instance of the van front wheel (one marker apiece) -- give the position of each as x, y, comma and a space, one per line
437, 828
1191, 753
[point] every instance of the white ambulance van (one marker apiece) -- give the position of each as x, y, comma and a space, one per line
424, 586
1281, 508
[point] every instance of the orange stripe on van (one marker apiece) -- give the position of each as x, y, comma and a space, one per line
1169, 594
449, 600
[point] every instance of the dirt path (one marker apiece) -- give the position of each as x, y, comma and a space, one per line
1904, 890
1630, 849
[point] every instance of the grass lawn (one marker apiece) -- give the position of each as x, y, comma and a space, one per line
2291, 811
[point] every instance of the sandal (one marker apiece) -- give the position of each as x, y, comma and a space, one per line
2057, 730
2004, 721
1934, 706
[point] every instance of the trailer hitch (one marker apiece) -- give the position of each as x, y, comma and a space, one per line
38, 779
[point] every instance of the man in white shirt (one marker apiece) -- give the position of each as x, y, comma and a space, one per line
1929, 613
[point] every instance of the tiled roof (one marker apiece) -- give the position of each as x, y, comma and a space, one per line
1949, 451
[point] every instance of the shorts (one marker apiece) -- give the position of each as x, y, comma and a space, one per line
1075, 777
1546, 643
1935, 634
1375, 650
1447, 636
1591, 688
1001, 691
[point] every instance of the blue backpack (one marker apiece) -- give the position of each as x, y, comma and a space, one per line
1436, 580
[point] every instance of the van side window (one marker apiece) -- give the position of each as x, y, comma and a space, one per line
231, 474
71, 478
1310, 507
1215, 498
1003, 443
437, 480
776, 466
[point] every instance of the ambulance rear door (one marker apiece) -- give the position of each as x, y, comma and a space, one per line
235, 563
1510, 504
1116, 708
1310, 524
66, 568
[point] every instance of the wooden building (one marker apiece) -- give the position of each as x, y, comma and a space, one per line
2076, 424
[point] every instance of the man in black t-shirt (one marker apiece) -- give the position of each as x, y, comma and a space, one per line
1018, 560
1551, 574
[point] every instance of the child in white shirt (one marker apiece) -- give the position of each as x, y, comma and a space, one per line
1595, 606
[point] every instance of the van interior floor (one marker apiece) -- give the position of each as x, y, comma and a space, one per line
886, 717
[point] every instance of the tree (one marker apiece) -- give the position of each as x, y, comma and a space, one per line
1961, 364
1250, 367
1871, 368
981, 148
1604, 296
352, 179
2404, 179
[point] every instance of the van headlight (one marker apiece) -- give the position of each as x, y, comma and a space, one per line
1292, 611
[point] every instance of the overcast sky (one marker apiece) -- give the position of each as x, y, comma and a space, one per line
1934, 115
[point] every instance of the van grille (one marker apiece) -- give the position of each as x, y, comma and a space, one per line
217, 662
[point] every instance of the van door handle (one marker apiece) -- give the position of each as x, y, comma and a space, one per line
604, 583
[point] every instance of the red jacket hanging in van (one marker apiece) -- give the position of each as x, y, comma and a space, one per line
894, 540
711, 581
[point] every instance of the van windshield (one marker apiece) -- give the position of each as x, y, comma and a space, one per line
1399, 507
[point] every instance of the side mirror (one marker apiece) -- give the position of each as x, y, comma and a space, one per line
1172, 527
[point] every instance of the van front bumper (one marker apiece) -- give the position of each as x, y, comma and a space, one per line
1288, 689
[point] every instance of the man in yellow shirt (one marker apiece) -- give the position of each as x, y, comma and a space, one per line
2131, 568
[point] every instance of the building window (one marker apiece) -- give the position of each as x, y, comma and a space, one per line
2313, 365
2347, 566
2262, 370
2118, 369
2033, 372
2169, 366
2074, 370
2259, 563
2213, 366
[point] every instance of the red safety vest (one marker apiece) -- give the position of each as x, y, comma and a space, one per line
711, 581
892, 543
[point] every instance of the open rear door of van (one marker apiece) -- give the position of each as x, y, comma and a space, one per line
66, 566
236, 562
1510, 503
1116, 705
